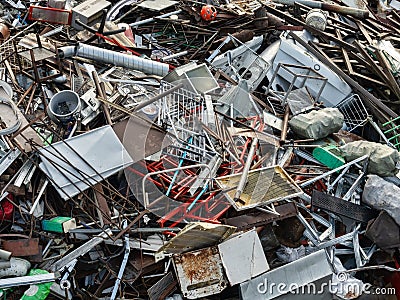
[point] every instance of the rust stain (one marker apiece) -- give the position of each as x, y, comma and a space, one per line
200, 266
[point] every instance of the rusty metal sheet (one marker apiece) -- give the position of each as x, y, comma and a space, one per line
200, 273
22, 247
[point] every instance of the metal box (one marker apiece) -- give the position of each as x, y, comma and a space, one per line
200, 273
88, 12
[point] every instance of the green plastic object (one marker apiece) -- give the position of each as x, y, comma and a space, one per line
59, 224
37, 291
329, 156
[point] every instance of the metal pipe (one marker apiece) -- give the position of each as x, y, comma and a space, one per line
172, 56
285, 124
5, 255
308, 182
83, 249
27, 280
243, 178
355, 12
155, 18
118, 59
123, 264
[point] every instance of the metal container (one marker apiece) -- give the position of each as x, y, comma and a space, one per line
151, 111
317, 18
63, 106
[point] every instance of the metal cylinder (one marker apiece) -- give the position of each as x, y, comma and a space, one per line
63, 106
116, 58
317, 19
5, 255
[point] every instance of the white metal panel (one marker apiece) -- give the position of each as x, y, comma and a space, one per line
243, 257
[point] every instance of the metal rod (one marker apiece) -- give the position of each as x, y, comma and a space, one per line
243, 178
355, 12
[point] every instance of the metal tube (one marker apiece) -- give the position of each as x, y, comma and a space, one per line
36, 202
356, 12
172, 56
285, 124
5, 255
27, 280
243, 178
308, 182
155, 18
123, 264
86, 247
118, 59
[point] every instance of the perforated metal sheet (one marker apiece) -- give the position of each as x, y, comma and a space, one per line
342, 207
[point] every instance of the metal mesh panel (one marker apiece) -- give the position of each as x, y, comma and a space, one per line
263, 186
182, 112
354, 111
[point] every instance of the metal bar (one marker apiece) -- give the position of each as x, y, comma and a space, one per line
245, 172
27, 280
356, 12
123, 263
155, 18
36, 202
159, 96
81, 250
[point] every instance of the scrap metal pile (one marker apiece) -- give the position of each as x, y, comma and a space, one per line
162, 149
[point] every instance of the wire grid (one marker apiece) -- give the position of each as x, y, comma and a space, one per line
193, 152
7, 52
392, 132
354, 112
178, 105
263, 186
182, 112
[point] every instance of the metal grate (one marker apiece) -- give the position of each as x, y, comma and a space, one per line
182, 112
392, 132
341, 207
263, 186
354, 111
